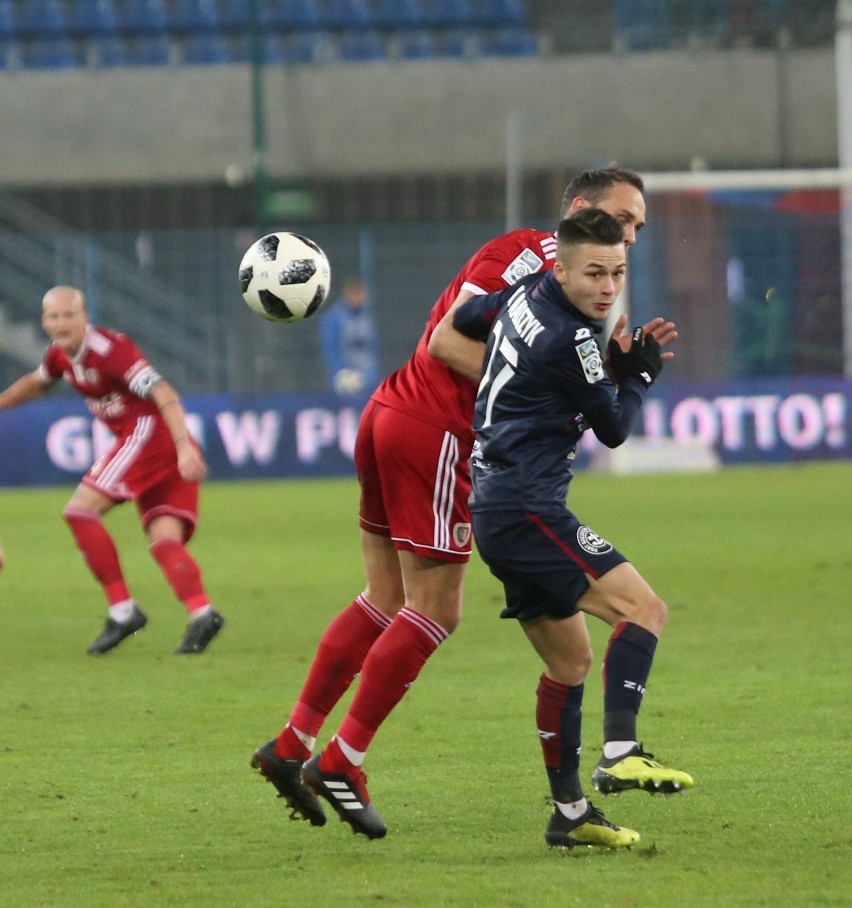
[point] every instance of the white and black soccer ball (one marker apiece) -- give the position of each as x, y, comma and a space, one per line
284, 277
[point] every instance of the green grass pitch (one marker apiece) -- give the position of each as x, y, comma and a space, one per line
124, 780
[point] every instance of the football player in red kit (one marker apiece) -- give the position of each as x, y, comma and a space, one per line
154, 462
412, 459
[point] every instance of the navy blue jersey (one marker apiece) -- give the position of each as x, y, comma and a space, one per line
543, 385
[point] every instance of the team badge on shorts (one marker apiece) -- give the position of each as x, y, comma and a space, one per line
592, 543
526, 263
461, 535
590, 359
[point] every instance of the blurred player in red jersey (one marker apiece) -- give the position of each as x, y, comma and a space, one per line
153, 462
411, 455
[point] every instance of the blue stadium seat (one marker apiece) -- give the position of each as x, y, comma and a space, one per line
206, 49
397, 14
8, 26
110, 51
509, 42
8, 56
193, 15
416, 45
41, 17
150, 50
345, 14
51, 53
142, 16
93, 17
289, 14
498, 12
305, 47
461, 42
362, 46
234, 13
446, 13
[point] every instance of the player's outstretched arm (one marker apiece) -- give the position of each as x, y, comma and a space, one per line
462, 354
27, 387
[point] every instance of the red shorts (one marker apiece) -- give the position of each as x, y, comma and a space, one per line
142, 467
415, 482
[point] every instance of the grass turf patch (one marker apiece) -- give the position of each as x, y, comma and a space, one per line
124, 780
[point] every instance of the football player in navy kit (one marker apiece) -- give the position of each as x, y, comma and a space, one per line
545, 382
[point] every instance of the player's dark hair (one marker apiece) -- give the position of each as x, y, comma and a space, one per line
593, 185
589, 225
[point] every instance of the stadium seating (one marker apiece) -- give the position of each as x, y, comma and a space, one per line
8, 54
397, 14
498, 12
298, 48
113, 33
362, 46
207, 48
290, 14
446, 13
150, 50
93, 17
233, 14
416, 45
346, 14
193, 16
41, 17
7, 19
509, 42
144, 16
109, 51
50, 53
461, 42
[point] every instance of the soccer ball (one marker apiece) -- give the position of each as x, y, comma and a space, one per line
284, 277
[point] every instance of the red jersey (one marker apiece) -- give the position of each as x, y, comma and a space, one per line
427, 388
113, 376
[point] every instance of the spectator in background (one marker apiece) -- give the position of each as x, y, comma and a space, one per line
350, 342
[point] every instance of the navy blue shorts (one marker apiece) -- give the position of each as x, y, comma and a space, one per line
542, 559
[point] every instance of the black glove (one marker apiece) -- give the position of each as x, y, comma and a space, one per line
642, 360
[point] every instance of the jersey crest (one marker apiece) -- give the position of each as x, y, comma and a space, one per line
525, 263
592, 543
590, 360
461, 534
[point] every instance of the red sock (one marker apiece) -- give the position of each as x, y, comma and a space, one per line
338, 659
98, 551
558, 716
181, 571
391, 666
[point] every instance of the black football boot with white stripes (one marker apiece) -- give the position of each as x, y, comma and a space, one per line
348, 795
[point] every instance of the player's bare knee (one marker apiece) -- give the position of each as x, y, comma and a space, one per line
651, 613
583, 662
571, 668
449, 618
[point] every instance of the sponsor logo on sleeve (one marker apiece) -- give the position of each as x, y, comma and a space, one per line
526, 263
590, 360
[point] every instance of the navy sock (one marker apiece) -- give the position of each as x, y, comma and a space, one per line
626, 667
